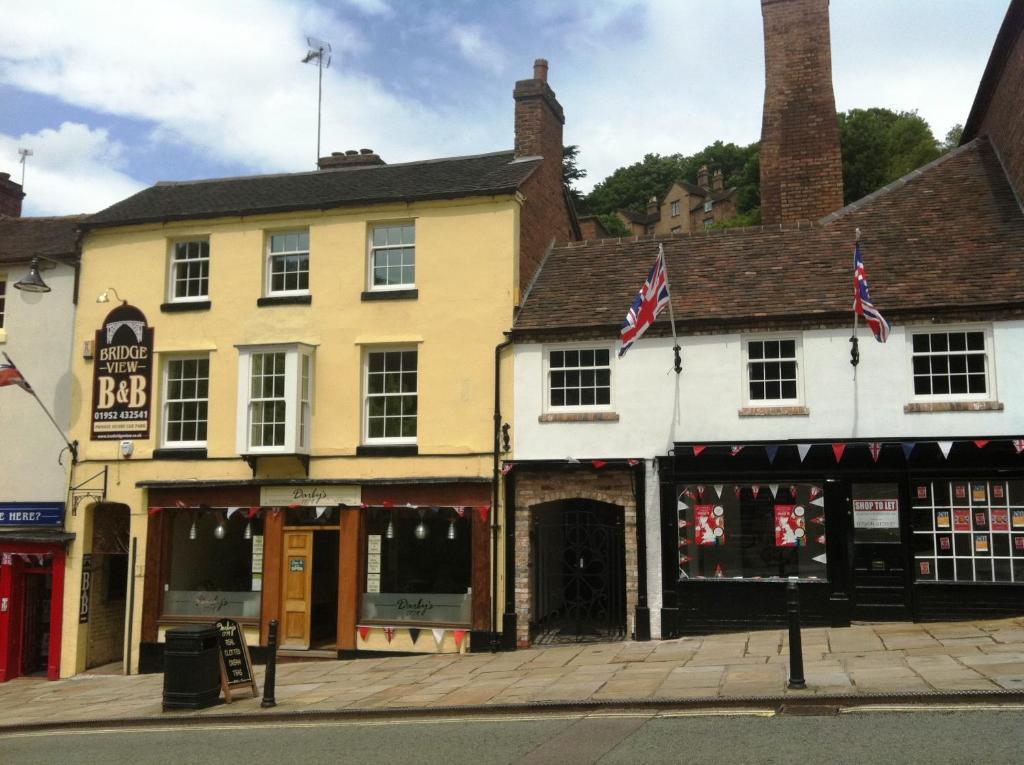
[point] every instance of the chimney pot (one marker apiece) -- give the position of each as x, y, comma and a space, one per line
351, 152
366, 151
350, 158
540, 69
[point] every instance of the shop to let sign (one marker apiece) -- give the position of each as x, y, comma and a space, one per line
876, 514
122, 376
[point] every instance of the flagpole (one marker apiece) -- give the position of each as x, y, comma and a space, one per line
671, 314
72, 446
854, 347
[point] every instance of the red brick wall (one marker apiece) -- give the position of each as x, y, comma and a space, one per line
801, 164
545, 214
10, 196
1002, 120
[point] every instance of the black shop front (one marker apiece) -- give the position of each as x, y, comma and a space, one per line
916, 529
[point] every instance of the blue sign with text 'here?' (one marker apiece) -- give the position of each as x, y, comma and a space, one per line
31, 513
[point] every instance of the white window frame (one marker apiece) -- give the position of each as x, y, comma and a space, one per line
172, 269
990, 370
388, 440
797, 357
568, 408
269, 257
298, 410
709, 205
372, 250
166, 402
675, 209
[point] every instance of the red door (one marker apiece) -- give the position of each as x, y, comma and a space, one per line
31, 608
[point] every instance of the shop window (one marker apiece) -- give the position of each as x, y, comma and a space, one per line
393, 256
275, 394
751, 531
968, 531
418, 566
213, 572
579, 377
190, 271
288, 263
950, 364
772, 371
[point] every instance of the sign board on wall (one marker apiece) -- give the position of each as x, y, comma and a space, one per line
83, 604
31, 513
310, 496
876, 514
122, 376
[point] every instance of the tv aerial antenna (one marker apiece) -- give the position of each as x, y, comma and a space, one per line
24, 154
320, 52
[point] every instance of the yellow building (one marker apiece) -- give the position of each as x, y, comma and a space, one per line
291, 413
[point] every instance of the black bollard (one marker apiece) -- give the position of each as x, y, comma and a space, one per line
796, 653
271, 676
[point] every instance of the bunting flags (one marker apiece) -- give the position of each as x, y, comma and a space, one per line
484, 511
945, 446
598, 464
389, 633
735, 450
438, 636
908, 447
981, 443
364, 632
802, 450
697, 449
633, 463
506, 468
837, 449
459, 635
414, 634
1018, 444
876, 450
771, 450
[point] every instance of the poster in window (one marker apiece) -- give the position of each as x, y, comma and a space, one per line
942, 519
1000, 519
1018, 543
789, 526
961, 520
709, 523
922, 491
997, 491
979, 493
960, 491
981, 543
945, 543
122, 375
926, 568
980, 519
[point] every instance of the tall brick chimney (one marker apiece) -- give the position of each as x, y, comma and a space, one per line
801, 164
10, 196
546, 215
702, 177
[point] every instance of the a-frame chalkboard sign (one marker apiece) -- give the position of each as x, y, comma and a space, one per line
235, 662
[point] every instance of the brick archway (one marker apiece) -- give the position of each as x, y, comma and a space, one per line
533, 489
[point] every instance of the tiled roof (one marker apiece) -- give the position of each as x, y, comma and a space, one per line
947, 236
482, 174
642, 218
718, 196
21, 239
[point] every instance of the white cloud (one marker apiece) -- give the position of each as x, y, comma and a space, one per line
471, 42
73, 169
371, 7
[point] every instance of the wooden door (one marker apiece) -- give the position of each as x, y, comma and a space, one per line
296, 589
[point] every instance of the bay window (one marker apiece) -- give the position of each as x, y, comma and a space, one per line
275, 394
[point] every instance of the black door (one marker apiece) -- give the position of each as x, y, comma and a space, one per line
579, 591
879, 576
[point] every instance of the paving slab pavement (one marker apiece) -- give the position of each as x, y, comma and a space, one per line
962, 658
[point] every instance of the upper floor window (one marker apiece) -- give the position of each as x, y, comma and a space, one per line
951, 364
579, 377
186, 401
391, 395
708, 224
190, 270
393, 256
275, 399
675, 209
288, 263
772, 371
708, 205
3, 299
677, 229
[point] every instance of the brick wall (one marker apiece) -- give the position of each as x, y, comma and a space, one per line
534, 489
106, 617
10, 196
545, 216
801, 164
1002, 120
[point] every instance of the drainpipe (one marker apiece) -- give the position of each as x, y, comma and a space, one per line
495, 481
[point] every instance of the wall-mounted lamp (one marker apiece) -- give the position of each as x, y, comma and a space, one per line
105, 296
33, 282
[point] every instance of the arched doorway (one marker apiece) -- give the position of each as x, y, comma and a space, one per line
105, 588
577, 555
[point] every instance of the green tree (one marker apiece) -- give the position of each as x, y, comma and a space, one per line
629, 188
879, 146
953, 137
572, 172
613, 224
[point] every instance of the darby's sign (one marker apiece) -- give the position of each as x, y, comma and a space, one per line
122, 376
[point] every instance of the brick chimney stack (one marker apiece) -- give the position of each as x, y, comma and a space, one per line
10, 196
702, 177
717, 181
539, 116
350, 158
801, 164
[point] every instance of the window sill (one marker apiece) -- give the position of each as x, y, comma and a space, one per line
579, 417
171, 453
284, 300
387, 450
774, 411
185, 306
409, 294
953, 406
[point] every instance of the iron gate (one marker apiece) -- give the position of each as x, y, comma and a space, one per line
579, 581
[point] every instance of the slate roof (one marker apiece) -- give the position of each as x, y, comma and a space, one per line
454, 177
21, 239
718, 196
949, 235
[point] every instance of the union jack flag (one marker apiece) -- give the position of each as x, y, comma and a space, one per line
862, 304
647, 305
9, 375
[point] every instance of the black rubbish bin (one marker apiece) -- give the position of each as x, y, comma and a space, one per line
191, 669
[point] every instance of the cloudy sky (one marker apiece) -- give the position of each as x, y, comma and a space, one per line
113, 96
